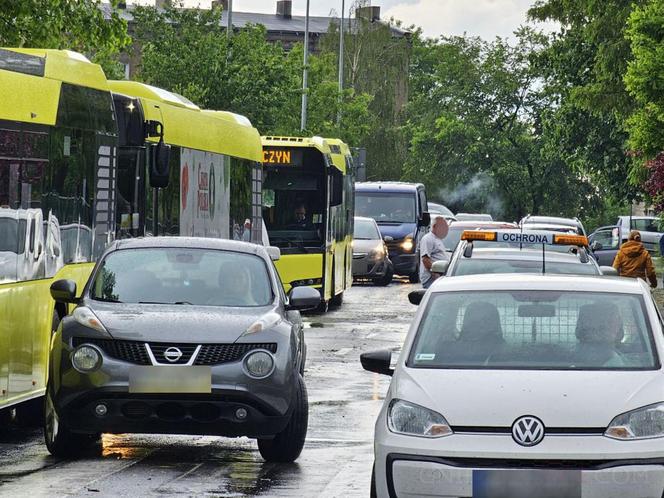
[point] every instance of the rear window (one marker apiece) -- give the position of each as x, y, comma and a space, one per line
365, 230
534, 330
467, 266
183, 276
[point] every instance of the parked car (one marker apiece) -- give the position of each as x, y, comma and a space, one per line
370, 258
474, 217
647, 225
435, 208
180, 336
400, 209
604, 243
552, 223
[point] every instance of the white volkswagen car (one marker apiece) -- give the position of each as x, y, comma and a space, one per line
525, 386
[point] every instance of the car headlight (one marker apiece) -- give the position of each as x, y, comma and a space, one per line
642, 423
414, 420
86, 359
408, 244
267, 321
87, 318
377, 252
259, 364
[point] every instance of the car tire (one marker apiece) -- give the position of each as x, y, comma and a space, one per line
60, 441
385, 279
372, 492
286, 446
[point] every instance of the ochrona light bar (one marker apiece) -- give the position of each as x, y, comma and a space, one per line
526, 237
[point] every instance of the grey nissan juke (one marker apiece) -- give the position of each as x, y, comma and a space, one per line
180, 336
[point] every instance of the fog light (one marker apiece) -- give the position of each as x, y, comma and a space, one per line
259, 364
241, 413
86, 359
101, 410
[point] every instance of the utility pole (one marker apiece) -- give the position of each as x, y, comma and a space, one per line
341, 61
305, 71
229, 20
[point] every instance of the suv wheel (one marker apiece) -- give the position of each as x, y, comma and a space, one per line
60, 441
287, 445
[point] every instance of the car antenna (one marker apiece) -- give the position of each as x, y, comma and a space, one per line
544, 259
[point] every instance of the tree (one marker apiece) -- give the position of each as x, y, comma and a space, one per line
84, 26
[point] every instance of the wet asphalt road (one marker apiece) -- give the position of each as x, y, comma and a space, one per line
336, 461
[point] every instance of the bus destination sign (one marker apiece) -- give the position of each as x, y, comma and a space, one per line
283, 157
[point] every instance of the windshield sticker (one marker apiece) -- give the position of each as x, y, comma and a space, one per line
425, 357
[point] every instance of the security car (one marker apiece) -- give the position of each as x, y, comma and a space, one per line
515, 251
180, 336
525, 385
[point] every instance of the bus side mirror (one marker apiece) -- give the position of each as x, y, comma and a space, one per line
64, 291
160, 155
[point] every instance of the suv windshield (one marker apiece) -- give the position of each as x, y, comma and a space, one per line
183, 276
557, 330
467, 266
387, 207
365, 230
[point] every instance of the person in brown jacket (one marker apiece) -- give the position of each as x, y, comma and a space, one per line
633, 260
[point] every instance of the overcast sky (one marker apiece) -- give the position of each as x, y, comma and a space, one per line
485, 18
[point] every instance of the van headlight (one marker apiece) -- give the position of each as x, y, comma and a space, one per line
642, 423
86, 359
415, 420
259, 364
87, 318
408, 244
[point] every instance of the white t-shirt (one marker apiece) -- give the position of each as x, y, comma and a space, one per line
431, 246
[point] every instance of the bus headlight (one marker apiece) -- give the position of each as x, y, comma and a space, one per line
259, 364
86, 359
408, 244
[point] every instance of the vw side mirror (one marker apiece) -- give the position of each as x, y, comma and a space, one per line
274, 253
64, 291
378, 362
303, 298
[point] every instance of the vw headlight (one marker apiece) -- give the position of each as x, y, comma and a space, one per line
86, 359
377, 252
408, 244
642, 423
259, 364
87, 318
414, 420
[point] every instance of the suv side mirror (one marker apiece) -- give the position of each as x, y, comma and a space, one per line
274, 253
425, 220
64, 291
378, 361
303, 298
608, 271
415, 297
160, 171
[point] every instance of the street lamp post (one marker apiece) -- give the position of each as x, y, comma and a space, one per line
341, 61
229, 20
305, 71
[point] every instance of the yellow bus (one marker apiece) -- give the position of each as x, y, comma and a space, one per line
84, 161
308, 212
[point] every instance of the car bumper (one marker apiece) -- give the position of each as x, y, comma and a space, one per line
414, 476
404, 264
364, 267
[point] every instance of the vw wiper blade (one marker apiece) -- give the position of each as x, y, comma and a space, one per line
161, 302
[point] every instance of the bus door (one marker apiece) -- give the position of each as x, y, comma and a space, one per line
336, 257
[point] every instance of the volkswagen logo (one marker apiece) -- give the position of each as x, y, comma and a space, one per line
172, 354
528, 431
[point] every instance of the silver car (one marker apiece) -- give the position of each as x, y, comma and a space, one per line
180, 336
370, 255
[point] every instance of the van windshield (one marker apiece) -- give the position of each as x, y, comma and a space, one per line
386, 207
530, 330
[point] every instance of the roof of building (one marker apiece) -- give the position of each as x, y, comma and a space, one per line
273, 22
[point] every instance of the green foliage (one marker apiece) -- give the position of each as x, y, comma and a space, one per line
245, 74
73, 25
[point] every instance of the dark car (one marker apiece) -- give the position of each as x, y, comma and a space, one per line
180, 336
400, 209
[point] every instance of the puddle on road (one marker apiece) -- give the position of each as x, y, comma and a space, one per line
313, 325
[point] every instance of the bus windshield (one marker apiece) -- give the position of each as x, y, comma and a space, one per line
386, 207
294, 209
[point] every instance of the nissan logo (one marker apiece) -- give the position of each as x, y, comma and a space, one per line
172, 354
528, 431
